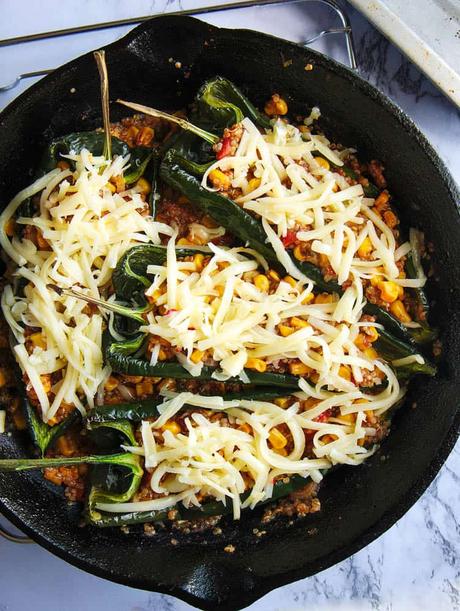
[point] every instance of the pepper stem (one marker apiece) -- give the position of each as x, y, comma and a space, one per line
25, 464
183, 123
99, 56
136, 314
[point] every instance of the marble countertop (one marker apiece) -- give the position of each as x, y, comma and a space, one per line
415, 565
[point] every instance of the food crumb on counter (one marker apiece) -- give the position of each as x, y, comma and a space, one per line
229, 549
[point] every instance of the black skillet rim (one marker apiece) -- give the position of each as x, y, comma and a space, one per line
417, 489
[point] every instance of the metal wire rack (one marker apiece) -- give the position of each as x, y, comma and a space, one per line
345, 30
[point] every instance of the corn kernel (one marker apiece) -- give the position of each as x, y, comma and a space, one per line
308, 299
349, 418
345, 373
171, 426
281, 107
111, 187
198, 261
398, 309
245, 427
323, 163
290, 280
119, 183
299, 369
282, 402
183, 242
324, 298
144, 388
132, 132
219, 179
366, 248
274, 275
257, 364
262, 283
299, 323
285, 330
197, 356
277, 439
9, 227
362, 341
162, 356
38, 339
328, 438
133, 379
111, 384
281, 451
372, 334
276, 106
143, 186
371, 354
375, 280
253, 184
298, 253
388, 291
46, 382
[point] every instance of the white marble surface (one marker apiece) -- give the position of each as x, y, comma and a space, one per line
415, 565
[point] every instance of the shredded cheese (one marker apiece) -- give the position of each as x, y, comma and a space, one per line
296, 193
221, 312
87, 229
208, 459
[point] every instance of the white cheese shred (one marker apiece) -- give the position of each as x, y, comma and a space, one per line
87, 228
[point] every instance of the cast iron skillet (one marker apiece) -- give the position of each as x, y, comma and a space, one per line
358, 504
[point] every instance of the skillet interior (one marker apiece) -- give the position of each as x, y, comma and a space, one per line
358, 503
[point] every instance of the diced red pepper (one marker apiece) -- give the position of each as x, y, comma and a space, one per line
225, 148
290, 238
324, 416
